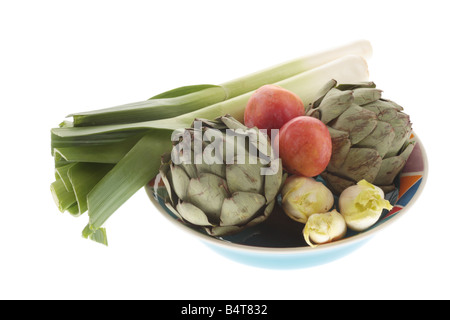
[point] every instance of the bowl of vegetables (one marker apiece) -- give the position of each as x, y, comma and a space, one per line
284, 240
291, 166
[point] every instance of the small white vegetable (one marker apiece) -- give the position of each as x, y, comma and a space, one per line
324, 227
302, 197
362, 205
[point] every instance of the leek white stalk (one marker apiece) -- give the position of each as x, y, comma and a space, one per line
291, 68
362, 205
324, 228
302, 197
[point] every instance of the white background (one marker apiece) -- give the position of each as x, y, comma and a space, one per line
59, 57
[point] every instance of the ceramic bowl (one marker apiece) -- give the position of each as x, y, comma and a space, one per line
278, 243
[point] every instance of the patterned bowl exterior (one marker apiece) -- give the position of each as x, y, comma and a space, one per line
410, 182
411, 178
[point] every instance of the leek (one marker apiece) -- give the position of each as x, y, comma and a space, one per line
83, 177
64, 199
73, 184
187, 99
105, 153
62, 173
128, 152
133, 172
306, 85
98, 235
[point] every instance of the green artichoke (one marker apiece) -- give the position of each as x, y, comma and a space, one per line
221, 196
370, 135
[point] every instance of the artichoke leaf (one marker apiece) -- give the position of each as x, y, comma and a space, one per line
215, 165
164, 172
402, 128
232, 123
322, 93
395, 105
391, 167
180, 181
214, 124
192, 214
273, 182
334, 104
353, 86
208, 193
381, 138
341, 144
384, 110
336, 183
361, 163
190, 167
357, 121
173, 210
240, 208
223, 231
216, 169
267, 211
245, 177
366, 95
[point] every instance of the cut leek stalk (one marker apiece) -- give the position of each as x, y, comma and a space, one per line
64, 199
74, 182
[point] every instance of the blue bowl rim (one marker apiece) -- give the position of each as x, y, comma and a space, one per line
298, 250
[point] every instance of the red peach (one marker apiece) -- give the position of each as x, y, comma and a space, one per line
304, 145
271, 106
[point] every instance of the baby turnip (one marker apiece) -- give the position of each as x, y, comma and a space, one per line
302, 197
323, 228
362, 205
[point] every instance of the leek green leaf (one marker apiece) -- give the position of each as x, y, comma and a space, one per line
64, 199
83, 177
181, 91
98, 235
61, 173
172, 104
108, 153
130, 174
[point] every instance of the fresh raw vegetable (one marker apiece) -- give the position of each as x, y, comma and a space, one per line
190, 98
370, 135
133, 149
302, 197
270, 107
362, 205
224, 191
323, 228
304, 144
